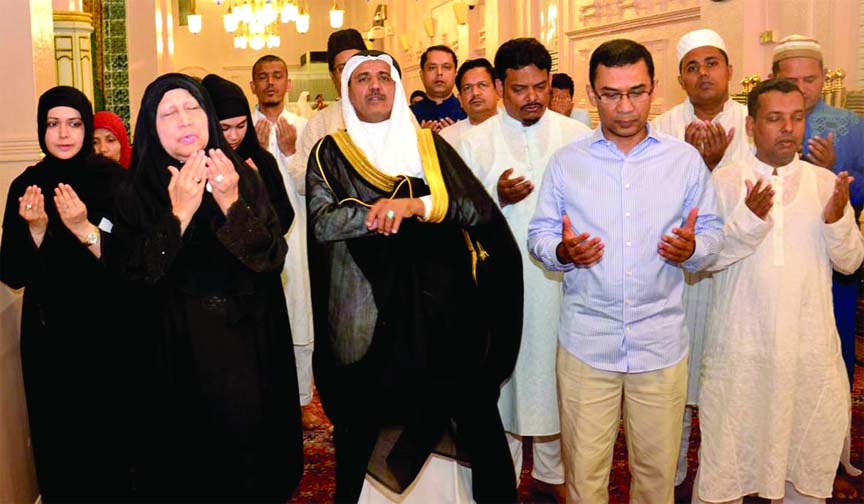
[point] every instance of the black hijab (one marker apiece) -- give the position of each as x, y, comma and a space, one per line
230, 102
90, 175
149, 167
65, 96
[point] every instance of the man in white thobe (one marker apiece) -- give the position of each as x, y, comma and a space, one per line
774, 400
277, 131
478, 96
713, 123
508, 153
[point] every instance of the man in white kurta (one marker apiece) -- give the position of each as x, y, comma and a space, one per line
713, 123
508, 153
478, 96
774, 401
278, 131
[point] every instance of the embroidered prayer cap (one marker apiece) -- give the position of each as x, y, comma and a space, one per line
343, 40
797, 46
699, 38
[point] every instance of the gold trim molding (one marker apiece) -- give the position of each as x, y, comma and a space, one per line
73, 16
677, 16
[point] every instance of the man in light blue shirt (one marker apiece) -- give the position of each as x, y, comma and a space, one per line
620, 212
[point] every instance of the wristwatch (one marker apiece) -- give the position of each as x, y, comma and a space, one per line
92, 238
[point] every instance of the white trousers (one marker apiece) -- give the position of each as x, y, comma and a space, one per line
303, 359
548, 466
590, 402
790, 496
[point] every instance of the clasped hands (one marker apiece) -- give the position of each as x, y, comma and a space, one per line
585, 250
187, 184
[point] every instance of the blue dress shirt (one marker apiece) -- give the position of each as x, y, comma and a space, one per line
848, 129
624, 313
428, 110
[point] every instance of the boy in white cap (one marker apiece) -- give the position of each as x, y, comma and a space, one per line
715, 124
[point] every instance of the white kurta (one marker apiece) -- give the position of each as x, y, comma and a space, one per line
699, 286
454, 133
775, 397
321, 124
295, 273
529, 399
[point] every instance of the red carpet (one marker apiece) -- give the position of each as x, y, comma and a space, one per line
317, 483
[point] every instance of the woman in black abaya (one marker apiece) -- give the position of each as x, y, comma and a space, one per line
72, 347
235, 121
197, 232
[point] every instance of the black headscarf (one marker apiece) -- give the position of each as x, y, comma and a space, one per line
229, 102
343, 40
149, 167
65, 96
90, 175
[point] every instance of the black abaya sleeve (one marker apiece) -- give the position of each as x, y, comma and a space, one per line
19, 256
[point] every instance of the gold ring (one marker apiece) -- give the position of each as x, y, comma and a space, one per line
28, 206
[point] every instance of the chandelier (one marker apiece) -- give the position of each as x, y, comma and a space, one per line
255, 23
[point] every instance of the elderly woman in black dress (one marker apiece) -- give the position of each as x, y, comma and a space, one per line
200, 240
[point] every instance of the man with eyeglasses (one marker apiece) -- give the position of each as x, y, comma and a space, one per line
478, 96
620, 213
509, 153
715, 125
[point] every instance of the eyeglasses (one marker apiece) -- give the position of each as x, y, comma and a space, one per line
637, 95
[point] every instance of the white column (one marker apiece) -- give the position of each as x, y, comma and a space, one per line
72, 55
28, 64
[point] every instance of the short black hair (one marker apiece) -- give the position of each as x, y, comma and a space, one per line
519, 53
417, 93
725, 58
618, 53
442, 48
267, 58
563, 81
781, 85
471, 64
775, 67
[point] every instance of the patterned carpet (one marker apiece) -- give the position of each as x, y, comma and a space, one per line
317, 483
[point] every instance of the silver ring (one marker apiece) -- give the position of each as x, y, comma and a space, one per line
219, 177
390, 214
28, 206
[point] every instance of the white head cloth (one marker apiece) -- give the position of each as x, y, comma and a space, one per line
303, 108
390, 145
699, 38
